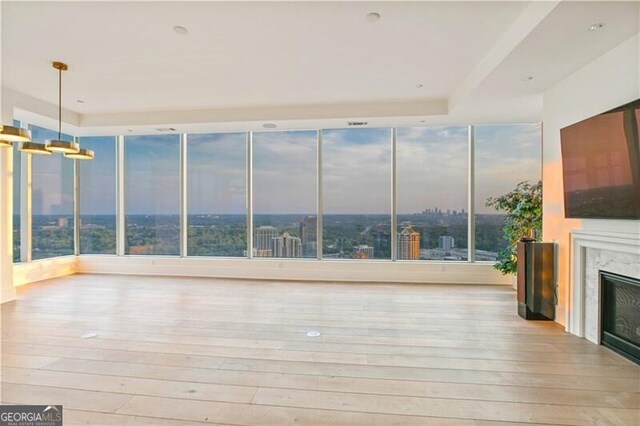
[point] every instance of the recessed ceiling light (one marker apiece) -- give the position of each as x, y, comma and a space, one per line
180, 30
596, 27
528, 78
269, 125
419, 86
373, 17
80, 101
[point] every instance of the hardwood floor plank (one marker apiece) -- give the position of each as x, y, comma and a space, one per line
78, 418
189, 351
72, 398
436, 407
105, 377
130, 385
133, 364
216, 352
243, 414
320, 345
10, 359
507, 366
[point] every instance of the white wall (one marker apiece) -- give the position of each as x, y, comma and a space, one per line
7, 293
44, 269
608, 82
313, 270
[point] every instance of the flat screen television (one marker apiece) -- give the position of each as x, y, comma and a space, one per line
601, 165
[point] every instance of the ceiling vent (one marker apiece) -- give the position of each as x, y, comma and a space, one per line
357, 123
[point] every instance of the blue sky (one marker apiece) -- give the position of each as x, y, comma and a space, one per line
152, 174
216, 173
98, 178
431, 171
52, 178
284, 172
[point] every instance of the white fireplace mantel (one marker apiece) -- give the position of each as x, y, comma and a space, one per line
616, 242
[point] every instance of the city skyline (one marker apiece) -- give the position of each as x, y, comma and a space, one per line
345, 236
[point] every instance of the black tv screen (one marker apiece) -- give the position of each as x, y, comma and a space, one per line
601, 165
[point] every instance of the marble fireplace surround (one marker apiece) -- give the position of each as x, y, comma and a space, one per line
590, 252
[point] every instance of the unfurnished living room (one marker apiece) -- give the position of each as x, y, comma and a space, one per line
320, 213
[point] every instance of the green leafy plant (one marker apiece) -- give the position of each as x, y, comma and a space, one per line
523, 206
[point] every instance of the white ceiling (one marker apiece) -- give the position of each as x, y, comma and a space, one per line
301, 64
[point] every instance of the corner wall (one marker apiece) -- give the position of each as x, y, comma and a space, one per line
608, 82
7, 292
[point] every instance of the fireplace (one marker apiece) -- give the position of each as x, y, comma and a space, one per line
620, 314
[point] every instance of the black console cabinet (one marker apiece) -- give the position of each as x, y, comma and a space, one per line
536, 280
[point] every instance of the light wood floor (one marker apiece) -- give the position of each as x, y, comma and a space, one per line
176, 351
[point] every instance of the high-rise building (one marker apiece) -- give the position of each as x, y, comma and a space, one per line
408, 244
446, 242
308, 235
264, 236
287, 246
63, 222
363, 252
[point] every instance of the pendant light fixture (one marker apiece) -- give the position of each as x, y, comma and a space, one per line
82, 154
10, 134
4, 143
34, 148
58, 145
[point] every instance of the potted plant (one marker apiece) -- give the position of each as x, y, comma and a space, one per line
523, 206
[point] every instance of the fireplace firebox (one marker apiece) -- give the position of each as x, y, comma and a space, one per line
620, 314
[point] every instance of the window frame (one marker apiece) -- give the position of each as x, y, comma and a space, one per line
26, 208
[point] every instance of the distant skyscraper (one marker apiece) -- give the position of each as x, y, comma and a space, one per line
363, 252
445, 242
308, 235
63, 222
287, 246
408, 244
264, 236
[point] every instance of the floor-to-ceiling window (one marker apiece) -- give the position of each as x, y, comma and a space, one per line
431, 188
17, 180
285, 194
217, 194
356, 173
97, 196
152, 194
52, 200
505, 155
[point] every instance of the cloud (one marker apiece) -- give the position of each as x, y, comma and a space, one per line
505, 156
152, 174
357, 171
98, 177
431, 170
285, 172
